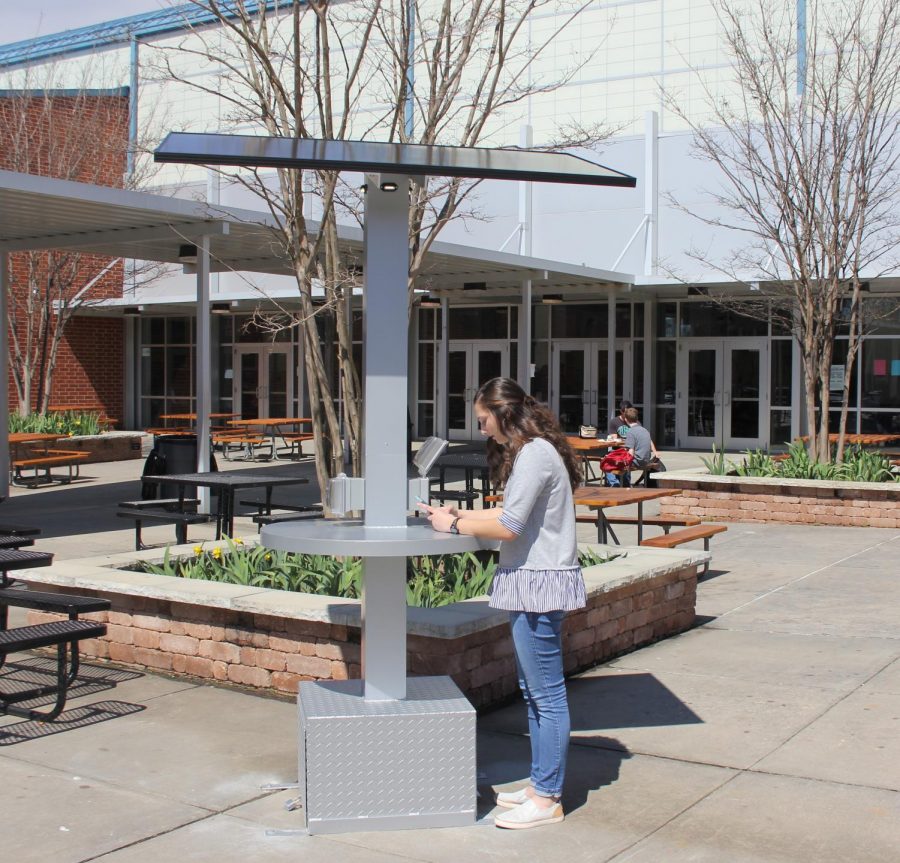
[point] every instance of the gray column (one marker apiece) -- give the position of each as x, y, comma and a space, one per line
203, 360
385, 354
651, 192
610, 359
4, 377
524, 370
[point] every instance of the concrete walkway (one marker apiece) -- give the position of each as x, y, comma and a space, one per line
770, 732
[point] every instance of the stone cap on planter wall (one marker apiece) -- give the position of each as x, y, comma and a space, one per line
699, 478
103, 574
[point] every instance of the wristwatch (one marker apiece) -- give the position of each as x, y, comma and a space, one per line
454, 525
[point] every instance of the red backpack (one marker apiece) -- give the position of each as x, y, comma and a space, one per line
617, 459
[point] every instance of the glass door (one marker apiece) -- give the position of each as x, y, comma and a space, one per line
470, 364
580, 373
262, 381
721, 393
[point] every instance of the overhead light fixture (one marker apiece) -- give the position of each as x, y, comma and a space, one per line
474, 286
131, 311
429, 302
364, 188
388, 187
551, 299
187, 254
220, 308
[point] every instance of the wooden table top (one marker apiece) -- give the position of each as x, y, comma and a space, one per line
193, 417
602, 496
269, 421
33, 437
863, 439
582, 444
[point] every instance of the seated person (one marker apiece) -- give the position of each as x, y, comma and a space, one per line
639, 444
617, 427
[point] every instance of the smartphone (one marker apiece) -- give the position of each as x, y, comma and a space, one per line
419, 500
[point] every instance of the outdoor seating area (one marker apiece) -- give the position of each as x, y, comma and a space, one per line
36, 452
682, 762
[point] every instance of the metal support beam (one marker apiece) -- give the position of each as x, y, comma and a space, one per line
203, 360
384, 438
610, 358
651, 192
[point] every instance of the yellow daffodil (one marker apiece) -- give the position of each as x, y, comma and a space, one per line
217, 553
198, 549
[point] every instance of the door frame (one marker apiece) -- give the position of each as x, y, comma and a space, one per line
722, 436
263, 352
592, 372
472, 348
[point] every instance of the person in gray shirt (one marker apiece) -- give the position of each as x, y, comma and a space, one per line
538, 577
639, 443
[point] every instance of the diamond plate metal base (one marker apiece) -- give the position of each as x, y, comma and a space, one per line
386, 765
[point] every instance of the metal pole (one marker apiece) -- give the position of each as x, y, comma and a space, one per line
385, 361
610, 358
651, 192
203, 360
4, 377
526, 234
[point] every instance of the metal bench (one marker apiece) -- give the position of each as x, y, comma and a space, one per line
52, 458
65, 635
278, 517
458, 496
19, 530
181, 520
60, 603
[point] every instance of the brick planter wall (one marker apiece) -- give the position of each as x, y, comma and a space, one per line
112, 446
786, 501
275, 652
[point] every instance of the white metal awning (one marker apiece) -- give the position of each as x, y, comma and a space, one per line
40, 213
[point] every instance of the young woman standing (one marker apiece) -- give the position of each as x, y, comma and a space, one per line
538, 577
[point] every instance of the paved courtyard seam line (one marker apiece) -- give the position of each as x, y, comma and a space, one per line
800, 578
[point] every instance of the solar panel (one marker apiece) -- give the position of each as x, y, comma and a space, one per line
375, 156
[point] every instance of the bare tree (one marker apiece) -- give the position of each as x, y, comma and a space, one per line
807, 155
345, 71
73, 133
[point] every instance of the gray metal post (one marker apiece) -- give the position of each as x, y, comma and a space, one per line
203, 387
651, 192
610, 359
4, 377
384, 442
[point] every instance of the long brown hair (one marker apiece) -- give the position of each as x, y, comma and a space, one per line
521, 419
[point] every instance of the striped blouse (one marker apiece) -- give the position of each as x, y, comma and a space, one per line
538, 570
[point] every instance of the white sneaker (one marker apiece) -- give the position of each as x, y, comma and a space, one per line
528, 815
509, 799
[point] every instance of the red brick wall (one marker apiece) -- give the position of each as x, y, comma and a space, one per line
276, 653
77, 137
875, 507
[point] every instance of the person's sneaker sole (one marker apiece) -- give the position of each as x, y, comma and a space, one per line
533, 822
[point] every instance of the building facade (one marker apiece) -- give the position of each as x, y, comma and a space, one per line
701, 373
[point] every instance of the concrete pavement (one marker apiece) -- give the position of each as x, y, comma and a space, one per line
770, 732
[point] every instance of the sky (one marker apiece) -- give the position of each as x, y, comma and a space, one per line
45, 17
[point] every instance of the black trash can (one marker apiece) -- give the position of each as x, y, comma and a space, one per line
171, 454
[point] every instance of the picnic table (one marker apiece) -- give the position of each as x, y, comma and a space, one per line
33, 450
860, 439
276, 427
590, 448
226, 484
600, 498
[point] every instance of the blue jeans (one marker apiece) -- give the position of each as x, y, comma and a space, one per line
537, 639
613, 480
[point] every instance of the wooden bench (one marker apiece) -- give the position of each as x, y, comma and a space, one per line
45, 461
248, 441
293, 443
64, 635
159, 515
689, 534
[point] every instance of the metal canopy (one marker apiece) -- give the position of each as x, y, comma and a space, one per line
373, 156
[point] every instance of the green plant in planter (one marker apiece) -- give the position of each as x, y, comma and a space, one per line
66, 423
430, 581
718, 465
757, 463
